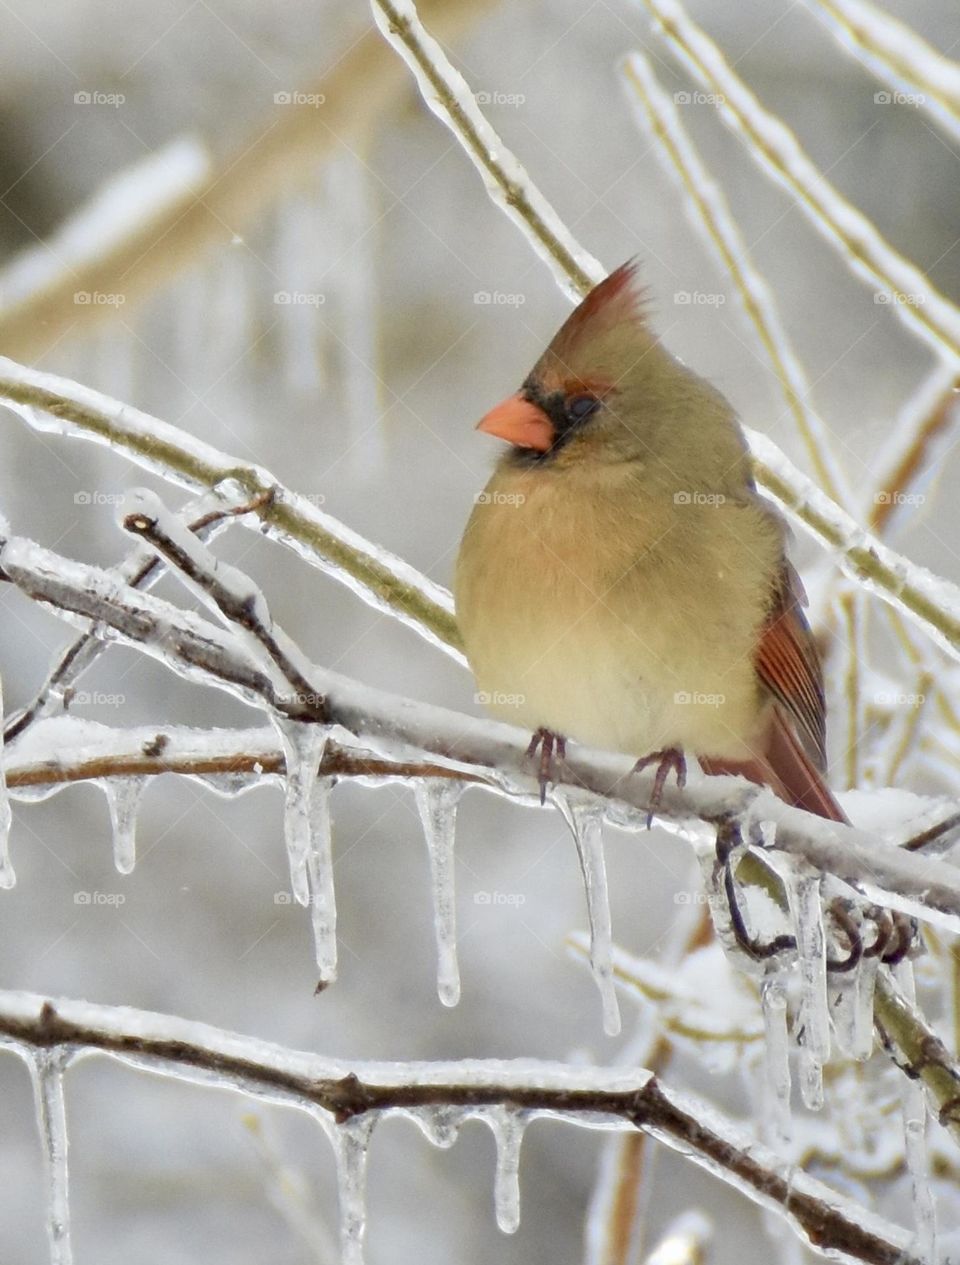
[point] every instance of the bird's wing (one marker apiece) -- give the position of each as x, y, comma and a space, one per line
788, 664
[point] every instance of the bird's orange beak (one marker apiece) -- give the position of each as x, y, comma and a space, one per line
519, 422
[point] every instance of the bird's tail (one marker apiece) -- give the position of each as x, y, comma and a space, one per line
786, 768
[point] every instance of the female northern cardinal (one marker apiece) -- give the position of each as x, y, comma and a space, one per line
621, 582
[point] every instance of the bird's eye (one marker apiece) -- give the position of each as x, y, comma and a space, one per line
580, 407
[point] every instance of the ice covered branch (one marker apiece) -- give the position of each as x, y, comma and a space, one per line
384, 581
775, 148
658, 115
899, 57
346, 1093
448, 95
398, 727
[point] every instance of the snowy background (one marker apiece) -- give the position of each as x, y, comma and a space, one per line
364, 398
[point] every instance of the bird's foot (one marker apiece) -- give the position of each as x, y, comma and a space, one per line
667, 760
550, 745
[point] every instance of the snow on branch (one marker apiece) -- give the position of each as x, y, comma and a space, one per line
350, 1097
659, 116
774, 147
917, 73
389, 584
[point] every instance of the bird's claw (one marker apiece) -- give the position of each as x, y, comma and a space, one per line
550, 744
669, 758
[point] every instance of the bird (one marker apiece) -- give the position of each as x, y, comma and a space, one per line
622, 583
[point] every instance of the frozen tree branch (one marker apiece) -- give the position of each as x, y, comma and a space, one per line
384, 581
597, 1098
397, 727
174, 233
772, 145
898, 57
448, 95
657, 113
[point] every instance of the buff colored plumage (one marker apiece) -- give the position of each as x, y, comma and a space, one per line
621, 583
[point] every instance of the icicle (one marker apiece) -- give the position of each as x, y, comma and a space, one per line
351, 1142
915, 1143
47, 1071
308, 835
323, 900
7, 876
863, 1038
123, 799
585, 822
813, 1020
776, 1049
437, 804
507, 1125
439, 1125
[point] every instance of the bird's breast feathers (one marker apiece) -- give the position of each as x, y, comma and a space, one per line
619, 624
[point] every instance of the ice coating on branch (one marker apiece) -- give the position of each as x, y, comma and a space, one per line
813, 1020
586, 825
46, 1067
307, 831
401, 27
507, 1125
123, 799
775, 148
776, 1059
437, 800
7, 876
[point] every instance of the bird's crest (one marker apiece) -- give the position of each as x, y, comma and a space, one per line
616, 302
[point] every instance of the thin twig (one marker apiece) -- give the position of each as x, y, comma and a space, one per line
771, 144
